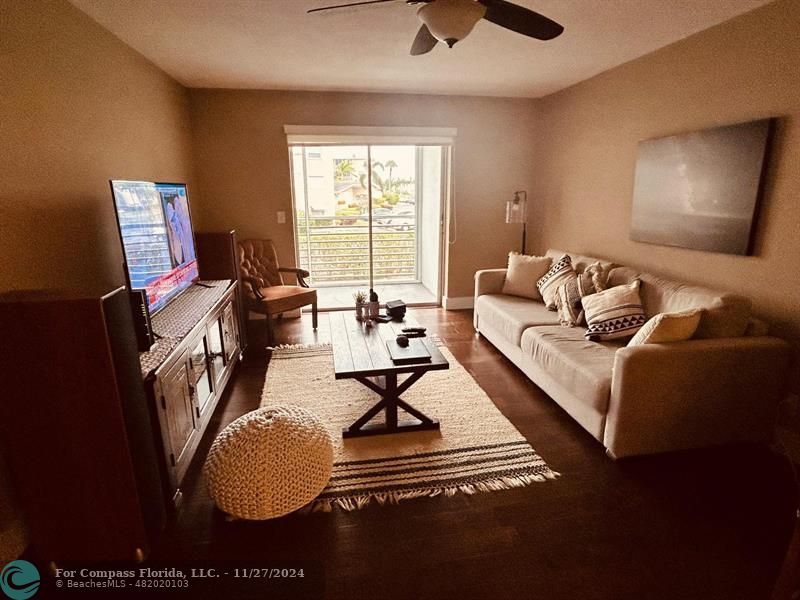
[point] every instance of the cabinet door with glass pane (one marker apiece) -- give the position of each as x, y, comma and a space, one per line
177, 402
200, 374
230, 335
216, 351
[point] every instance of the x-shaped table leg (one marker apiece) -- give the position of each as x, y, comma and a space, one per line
389, 403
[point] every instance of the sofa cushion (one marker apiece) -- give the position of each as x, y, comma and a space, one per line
580, 366
724, 314
523, 273
511, 315
580, 262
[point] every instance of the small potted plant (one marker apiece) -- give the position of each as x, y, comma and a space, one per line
361, 299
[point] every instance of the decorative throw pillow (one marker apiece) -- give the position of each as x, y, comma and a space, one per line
614, 313
568, 303
560, 273
668, 327
569, 294
594, 279
523, 273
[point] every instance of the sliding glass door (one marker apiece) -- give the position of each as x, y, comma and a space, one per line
369, 215
331, 212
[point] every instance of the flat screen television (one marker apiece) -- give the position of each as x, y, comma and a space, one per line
701, 190
155, 227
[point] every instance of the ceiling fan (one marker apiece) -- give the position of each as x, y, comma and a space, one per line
449, 21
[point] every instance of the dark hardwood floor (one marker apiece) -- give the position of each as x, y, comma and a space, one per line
708, 524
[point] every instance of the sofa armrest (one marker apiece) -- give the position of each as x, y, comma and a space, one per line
489, 281
696, 393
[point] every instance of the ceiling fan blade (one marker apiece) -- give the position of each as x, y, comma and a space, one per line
520, 19
424, 42
313, 10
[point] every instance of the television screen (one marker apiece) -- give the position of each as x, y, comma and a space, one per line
700, 190
156, 230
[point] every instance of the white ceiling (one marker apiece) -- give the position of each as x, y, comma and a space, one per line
274, 44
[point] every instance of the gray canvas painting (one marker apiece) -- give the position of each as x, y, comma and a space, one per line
700, 190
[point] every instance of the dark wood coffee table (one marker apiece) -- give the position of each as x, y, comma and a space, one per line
359, 352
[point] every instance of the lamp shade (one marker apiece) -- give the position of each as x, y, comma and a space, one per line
451, 20
517, 208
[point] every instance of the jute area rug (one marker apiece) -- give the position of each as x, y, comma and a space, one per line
476, 450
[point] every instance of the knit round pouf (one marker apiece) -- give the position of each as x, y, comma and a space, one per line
269, 462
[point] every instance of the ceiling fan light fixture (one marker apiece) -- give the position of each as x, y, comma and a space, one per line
451, 20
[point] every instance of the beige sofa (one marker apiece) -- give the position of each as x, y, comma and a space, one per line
722, 386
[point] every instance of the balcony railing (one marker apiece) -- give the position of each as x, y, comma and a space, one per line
335, 250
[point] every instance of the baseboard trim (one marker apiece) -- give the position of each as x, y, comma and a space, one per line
458, 302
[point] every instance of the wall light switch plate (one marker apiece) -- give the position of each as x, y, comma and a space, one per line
281, 217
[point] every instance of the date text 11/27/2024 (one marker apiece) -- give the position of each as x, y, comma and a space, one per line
251, 573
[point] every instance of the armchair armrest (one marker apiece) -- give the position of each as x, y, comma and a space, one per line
696, 393
301, 274
489, 281
253, 285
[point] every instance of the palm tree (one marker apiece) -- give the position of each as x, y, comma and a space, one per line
390, 164
390, 189
345, 169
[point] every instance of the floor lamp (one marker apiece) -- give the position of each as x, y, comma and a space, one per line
517, 212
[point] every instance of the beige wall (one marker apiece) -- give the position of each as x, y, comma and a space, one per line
744, 69
77, 108
242, 162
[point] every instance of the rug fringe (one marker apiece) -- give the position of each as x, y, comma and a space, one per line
296, 350
351, 503
325, 346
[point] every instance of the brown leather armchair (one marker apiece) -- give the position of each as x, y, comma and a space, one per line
263, 286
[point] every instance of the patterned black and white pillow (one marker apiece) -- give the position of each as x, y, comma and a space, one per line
560, 273
614, 313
